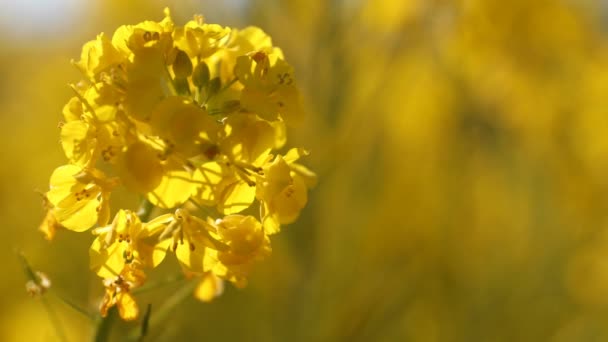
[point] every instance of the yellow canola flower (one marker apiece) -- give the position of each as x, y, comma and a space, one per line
95, 127
246, 146
147, 46
184, 127
73, 110
269, 87
118, 292
125, 241
148, 167
176, 186
241, 42
247, 244
133, 39
191, 239
101, 99
198, 39
99, 55
283, 190
85, 141
78, 142
151, 168
80, 197
139, 167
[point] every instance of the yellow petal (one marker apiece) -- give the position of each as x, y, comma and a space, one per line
308, 177
209, 287
62, 180
140, 168
97, 55
151, 252
191, 258
127, 307
49, 225
235, 196
290, 201
142, 95
73, 109
78, 147
206, 178
78, 217
106, 262
175, 188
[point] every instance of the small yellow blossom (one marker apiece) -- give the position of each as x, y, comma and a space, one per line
80, 197
198, 39
118, 293
247, 244
269, 87
283, 190
98, 55
191, 238
125, 241
139, 167
73, 110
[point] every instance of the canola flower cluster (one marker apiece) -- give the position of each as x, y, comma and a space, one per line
187, 117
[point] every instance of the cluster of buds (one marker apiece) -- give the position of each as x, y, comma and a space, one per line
189, 118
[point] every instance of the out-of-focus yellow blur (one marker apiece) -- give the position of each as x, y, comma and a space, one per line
462, 152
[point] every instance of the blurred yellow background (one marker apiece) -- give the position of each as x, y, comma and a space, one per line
462, 153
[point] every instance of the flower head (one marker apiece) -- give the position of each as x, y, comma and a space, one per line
190, 119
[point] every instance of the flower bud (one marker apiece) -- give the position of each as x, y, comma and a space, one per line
201, 75
182, 67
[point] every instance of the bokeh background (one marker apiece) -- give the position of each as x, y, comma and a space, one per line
462, 153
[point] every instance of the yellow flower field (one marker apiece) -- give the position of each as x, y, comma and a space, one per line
307, 170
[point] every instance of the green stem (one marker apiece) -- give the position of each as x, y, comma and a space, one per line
145, 323
158, 284
55, 320
104, 326
166, 309
73, 305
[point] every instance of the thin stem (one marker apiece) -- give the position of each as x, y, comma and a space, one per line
53, 317
177, 298
145, 323
104, 326
228, 85
55, 320
73, 305
167, 281
204, 209
166, 309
